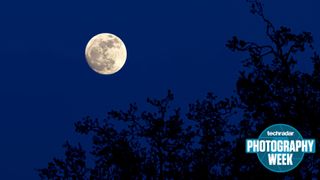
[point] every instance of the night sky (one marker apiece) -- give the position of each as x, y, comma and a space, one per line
47, 85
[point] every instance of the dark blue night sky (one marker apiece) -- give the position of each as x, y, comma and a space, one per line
46, 84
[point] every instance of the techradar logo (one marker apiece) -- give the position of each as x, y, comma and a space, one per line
280, 147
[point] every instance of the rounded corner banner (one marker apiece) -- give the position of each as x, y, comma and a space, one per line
280, 147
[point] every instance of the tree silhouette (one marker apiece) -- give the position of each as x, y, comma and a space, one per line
210, 160
154, 144
273, 90
205, 142
72, 167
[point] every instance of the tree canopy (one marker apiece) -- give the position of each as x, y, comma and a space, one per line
207, 142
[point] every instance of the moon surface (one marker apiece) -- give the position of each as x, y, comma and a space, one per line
106, 53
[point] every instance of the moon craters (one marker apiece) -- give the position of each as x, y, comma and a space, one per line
106, 53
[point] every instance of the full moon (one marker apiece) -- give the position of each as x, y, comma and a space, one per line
106, 53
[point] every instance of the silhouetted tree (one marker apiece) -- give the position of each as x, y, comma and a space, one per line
273, 90
161, 142
162, 136
72, 167
115, 156
153, 144
210, 159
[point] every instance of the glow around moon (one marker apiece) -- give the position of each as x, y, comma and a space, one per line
106, 53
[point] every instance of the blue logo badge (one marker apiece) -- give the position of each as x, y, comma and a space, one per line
280, 147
